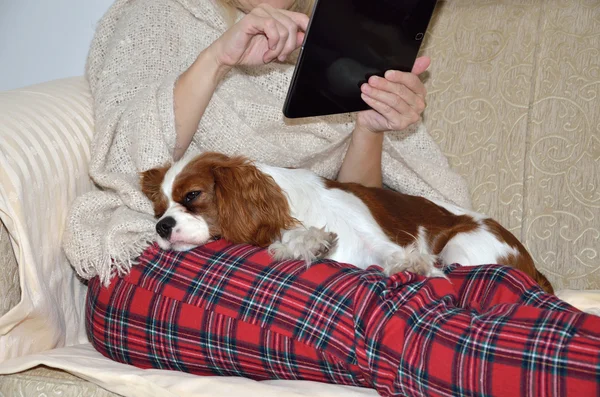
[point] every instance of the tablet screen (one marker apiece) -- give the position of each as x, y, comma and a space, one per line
347, 42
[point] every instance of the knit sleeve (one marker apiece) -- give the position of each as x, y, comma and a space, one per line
133, 64
132, 69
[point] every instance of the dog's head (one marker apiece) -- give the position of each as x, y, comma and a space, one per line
211, 195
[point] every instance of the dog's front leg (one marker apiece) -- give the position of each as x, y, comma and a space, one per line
307, 244
414, 257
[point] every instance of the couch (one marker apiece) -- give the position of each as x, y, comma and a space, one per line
513, 100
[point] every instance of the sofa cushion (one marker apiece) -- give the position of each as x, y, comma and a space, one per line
10, 291
43, 381
514, 102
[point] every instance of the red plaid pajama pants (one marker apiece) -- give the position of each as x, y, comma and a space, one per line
225, 309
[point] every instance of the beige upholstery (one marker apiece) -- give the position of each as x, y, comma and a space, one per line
514, 101
46, 382
10, 291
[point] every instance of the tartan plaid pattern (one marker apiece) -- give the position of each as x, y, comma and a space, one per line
224, 309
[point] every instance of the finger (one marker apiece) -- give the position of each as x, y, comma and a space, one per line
300, 19
411, 81
292, 34
390, 99
277, 35
394, 119
266, 26
421, 65
287, 30
282, 37
299, 38
415, 101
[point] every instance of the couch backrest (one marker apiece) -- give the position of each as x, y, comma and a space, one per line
514, 101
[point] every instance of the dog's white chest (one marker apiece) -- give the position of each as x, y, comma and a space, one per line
315, 205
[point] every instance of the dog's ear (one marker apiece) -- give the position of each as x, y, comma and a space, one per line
151, 181
251, 206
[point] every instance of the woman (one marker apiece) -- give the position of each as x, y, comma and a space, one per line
172, 76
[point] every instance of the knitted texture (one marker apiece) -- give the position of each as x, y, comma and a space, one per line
139, 50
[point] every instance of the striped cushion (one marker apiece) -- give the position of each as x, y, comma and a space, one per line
45, 134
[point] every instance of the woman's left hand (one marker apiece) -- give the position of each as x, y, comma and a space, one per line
397, 100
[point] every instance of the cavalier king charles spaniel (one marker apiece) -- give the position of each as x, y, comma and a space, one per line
300, 215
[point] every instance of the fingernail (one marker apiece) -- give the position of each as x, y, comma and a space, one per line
365, 87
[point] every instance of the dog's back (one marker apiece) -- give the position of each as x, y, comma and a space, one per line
453, 234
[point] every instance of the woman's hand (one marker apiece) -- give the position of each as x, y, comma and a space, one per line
263, 35
397, 100
260, 37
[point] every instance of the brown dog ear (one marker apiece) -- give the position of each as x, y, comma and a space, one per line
151, 181
251, 206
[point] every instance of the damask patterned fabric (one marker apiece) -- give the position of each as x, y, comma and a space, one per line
47, 382
514, 102
10, 291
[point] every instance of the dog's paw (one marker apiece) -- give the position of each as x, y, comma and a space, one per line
305, 244
320, 242
410, 259
280, 251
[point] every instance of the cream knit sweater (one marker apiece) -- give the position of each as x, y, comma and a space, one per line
139, 50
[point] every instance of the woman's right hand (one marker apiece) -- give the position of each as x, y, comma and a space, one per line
260, 37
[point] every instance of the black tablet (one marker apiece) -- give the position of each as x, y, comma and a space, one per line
348, 41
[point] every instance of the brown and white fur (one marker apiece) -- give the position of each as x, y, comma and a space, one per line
299, 215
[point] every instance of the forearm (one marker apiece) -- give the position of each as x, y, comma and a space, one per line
362, 163
192, 93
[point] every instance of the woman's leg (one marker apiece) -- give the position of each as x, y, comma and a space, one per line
501, 336
483, 287
225, 309
221, 310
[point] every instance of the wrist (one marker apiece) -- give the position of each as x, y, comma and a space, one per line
207, 66
364, 133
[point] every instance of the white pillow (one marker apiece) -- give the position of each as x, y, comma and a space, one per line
45, 134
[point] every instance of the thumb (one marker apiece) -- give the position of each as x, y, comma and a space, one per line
421, 65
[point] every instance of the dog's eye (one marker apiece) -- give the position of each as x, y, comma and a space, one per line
191, 196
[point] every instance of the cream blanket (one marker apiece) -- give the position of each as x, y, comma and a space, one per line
140, 48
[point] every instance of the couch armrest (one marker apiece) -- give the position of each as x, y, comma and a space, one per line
45, 134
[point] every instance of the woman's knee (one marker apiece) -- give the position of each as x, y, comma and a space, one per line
487, 285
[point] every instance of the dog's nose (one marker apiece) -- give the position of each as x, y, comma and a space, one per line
165, 226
